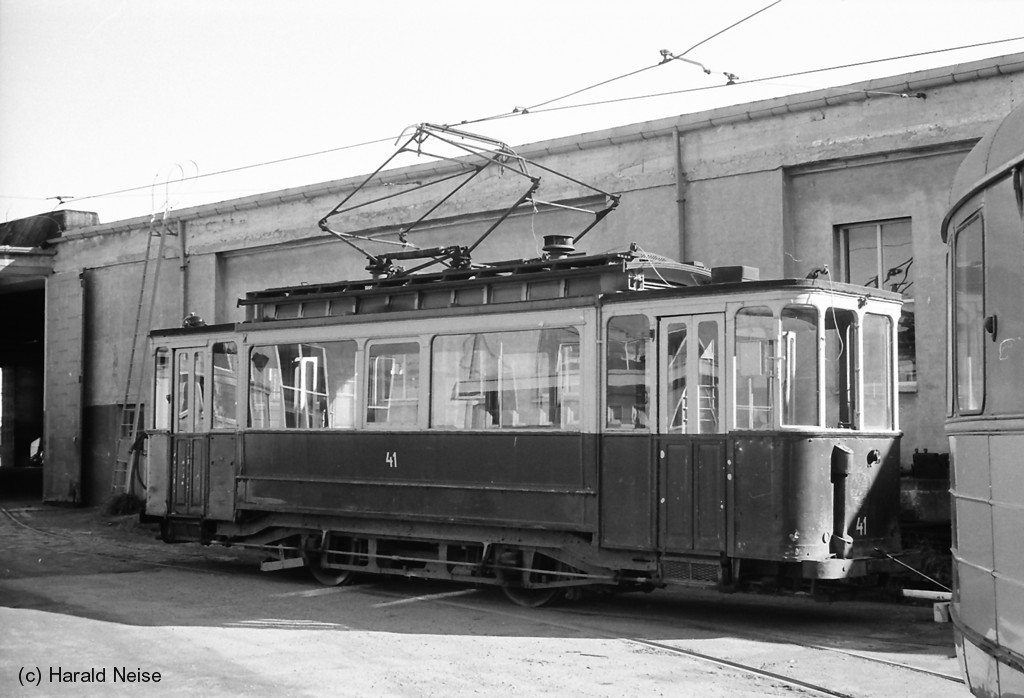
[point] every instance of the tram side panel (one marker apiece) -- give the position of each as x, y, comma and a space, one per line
540, 481
789, 501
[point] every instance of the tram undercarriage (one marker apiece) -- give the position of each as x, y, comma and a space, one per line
533, 568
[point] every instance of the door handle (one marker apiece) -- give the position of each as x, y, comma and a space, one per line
991, 325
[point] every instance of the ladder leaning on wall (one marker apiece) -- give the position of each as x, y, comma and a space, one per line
131, 418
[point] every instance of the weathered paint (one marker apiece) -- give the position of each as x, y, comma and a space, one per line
782, 495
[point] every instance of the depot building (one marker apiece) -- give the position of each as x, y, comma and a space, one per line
854, 179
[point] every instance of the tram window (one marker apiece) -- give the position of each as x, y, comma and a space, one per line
840, 368
800, 365
676, 383
183, 415
707, 376
162, 390
198, 391
302, 386
225, 385
506, 380
755, 354
626, 377
394, 384
969, 313
878, 402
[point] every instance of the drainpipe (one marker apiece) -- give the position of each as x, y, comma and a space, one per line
677, 142
184, 269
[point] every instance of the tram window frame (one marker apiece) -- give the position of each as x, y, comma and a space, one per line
182, 419
974, 385
545, 383
877, 376
163, 382
380, 400
879, 240
799, 344
841, 357
754, 357
628, 345
319, 394
224, 401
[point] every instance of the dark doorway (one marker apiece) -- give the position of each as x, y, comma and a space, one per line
21, 393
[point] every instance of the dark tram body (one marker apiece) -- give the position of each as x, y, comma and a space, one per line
546, 425
984, 230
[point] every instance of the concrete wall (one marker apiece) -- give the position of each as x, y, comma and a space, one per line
764, 184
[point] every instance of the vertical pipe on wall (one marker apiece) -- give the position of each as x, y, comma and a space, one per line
184, 269
677, 142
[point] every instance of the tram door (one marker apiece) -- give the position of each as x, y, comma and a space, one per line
691, 449
189, 433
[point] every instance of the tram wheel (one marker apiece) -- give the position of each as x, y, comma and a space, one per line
326, 576
531, 598
542, 569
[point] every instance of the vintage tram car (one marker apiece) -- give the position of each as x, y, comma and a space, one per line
547, 425
984, 230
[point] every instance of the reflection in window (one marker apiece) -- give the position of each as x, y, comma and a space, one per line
626, 365
707, 375
507, 380
969, 309
394, 384
162, 390
755, 354
676, 384
878, 402
198, 392
800, 365
225, 385
840, 368
302, 386
183, 415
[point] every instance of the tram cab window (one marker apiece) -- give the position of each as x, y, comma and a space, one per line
840, 368
968, 317
506, 380
394, 384
755, 353
800, 365
878, 395
225, 385
198, 391
162, 390
626, 378
302, 386
182, 411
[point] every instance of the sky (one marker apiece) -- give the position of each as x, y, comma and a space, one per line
135, 107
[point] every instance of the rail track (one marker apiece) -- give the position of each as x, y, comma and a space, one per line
574, 619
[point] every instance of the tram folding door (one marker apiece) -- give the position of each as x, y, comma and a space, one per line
190, 433
691, 449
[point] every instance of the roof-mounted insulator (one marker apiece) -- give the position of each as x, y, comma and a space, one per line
558, 246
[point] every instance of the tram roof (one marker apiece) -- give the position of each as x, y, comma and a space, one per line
541, 283
994, 157
546, 278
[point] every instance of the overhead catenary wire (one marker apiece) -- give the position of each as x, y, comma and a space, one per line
768, 79
545, 109
526, 110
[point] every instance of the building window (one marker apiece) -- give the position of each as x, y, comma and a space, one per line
881, 255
